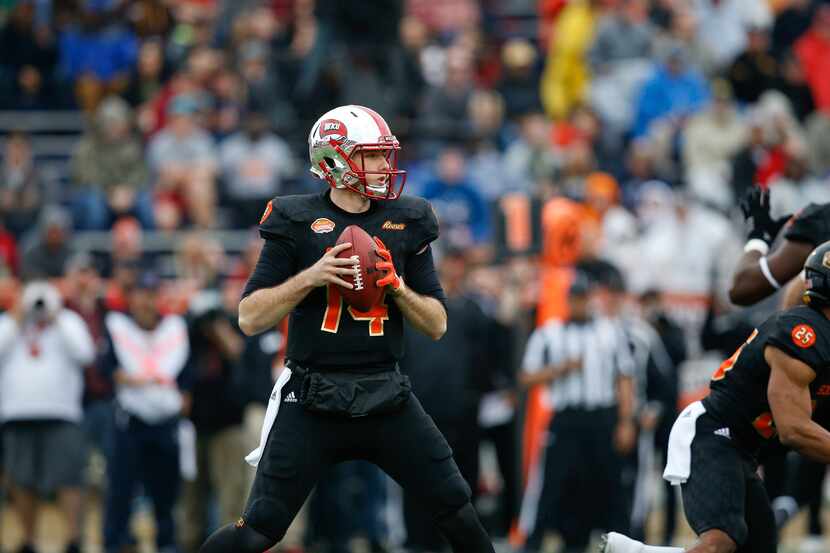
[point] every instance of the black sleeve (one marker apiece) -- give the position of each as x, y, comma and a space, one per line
796, 336
427, 228
422, 277
809, 225
276, 264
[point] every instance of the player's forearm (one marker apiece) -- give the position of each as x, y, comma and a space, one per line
808, 438
748, 283
266, 307
425, 313
625, 398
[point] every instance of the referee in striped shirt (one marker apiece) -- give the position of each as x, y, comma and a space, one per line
586, 364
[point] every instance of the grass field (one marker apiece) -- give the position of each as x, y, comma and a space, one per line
51, 531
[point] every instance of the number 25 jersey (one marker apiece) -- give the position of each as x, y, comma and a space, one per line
324, 332
738, 395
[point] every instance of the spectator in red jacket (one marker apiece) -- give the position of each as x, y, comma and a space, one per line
813, 50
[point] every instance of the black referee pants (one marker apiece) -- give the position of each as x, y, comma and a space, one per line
581, 490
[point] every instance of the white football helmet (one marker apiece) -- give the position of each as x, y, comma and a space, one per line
335, 148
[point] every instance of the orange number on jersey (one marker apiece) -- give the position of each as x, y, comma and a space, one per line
729, 363
334, 309
764, 425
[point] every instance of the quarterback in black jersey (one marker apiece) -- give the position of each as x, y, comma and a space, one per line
341, 395
767, 390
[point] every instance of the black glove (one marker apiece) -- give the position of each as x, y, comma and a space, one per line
755, 206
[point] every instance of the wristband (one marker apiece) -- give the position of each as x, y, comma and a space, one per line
397, 291
756, 245
767, 273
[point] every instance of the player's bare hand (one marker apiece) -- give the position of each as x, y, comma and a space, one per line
648, 419
329, 268
624, 436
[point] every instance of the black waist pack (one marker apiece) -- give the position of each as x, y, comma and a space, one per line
354, 395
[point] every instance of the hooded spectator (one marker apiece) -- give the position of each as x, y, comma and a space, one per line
109, 171
47, 252
21, 188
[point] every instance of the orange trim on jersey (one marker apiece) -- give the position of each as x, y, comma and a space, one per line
267, 212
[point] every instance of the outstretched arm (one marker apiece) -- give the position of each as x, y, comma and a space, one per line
758, 275
750, 284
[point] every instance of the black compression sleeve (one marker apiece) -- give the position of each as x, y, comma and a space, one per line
275, 265
422, 277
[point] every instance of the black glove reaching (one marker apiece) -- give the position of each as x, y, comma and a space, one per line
755, 206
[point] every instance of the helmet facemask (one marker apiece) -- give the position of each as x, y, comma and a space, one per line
817, 288
342, 165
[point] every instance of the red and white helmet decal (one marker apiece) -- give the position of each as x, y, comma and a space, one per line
337, 144
333, 129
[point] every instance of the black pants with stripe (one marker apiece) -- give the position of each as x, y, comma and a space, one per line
582, 479
302, 445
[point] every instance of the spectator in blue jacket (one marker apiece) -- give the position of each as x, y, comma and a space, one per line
462, 210
675, 90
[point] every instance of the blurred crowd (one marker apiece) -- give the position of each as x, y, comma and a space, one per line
607, 139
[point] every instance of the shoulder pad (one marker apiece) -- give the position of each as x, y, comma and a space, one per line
804, 334
411, 207
421, 217
281, 212
811, 224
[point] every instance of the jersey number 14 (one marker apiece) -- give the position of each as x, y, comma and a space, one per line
334, 310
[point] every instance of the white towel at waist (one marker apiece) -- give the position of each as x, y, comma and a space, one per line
679, 458
270, 415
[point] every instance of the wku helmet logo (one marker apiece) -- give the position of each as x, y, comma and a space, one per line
334, 128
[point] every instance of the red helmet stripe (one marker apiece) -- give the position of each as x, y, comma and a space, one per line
382, 126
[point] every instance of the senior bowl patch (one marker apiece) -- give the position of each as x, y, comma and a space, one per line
322, 225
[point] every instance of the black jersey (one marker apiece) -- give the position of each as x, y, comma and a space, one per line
323, 331
738, 395
811, 225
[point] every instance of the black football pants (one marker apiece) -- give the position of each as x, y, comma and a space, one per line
406, 444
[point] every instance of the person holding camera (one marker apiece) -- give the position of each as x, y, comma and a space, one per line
148, 356
43, 350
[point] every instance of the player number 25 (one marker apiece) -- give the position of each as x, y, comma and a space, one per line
334, 309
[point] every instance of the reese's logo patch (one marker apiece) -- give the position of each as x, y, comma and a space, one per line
389, 225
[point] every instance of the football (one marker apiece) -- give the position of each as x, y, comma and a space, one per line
365, 294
